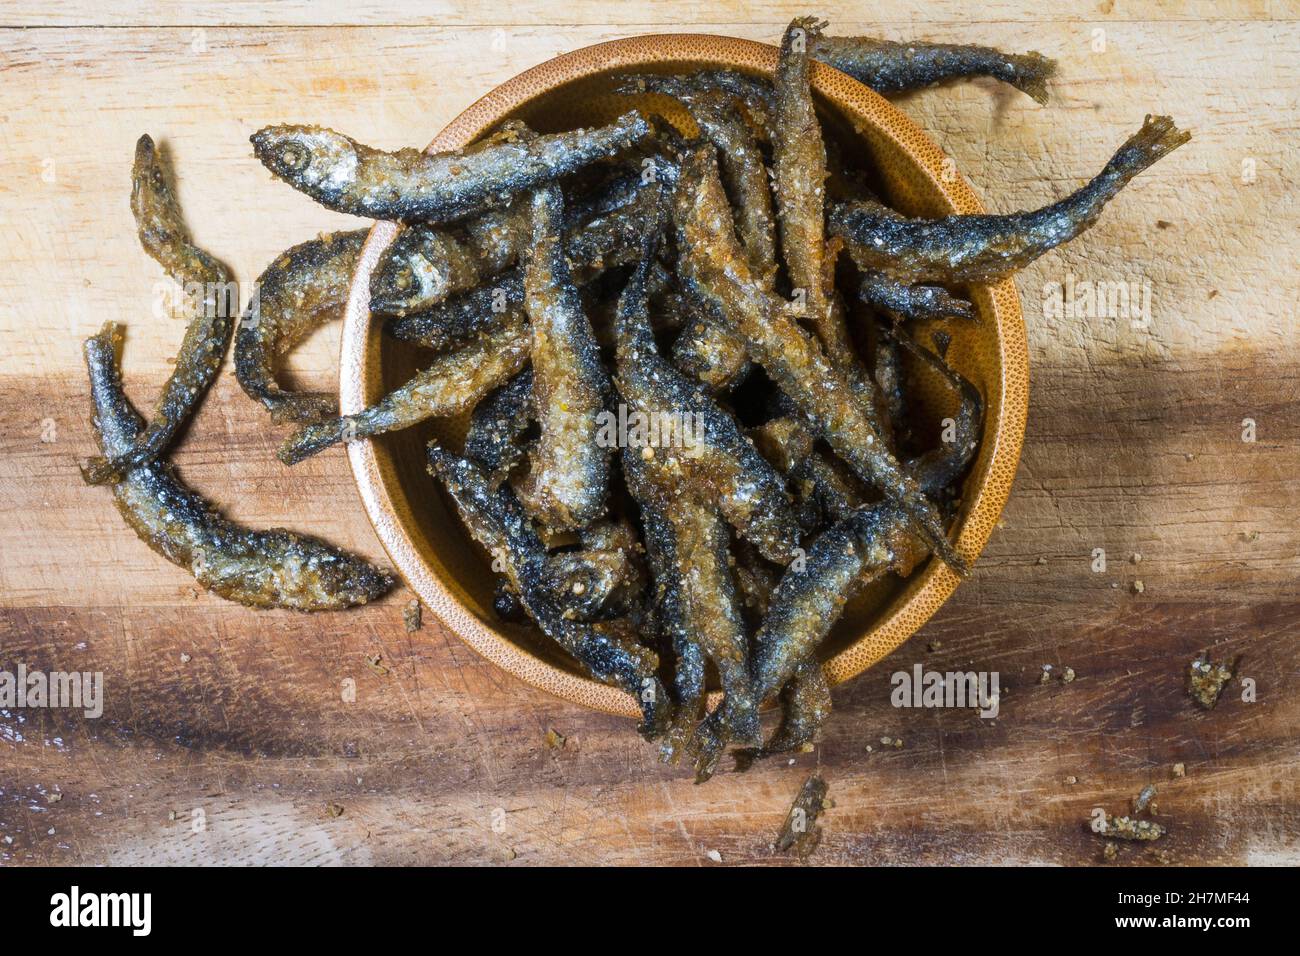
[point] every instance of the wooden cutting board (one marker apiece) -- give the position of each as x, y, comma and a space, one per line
226, 735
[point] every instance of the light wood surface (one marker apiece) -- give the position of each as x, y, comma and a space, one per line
235, 718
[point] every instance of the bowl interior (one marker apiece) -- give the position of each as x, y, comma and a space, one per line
423, 535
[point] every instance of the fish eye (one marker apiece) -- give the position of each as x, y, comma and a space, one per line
293, 157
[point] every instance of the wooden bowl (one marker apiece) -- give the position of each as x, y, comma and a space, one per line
423, 535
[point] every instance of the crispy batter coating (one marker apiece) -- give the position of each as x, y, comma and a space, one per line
919, 302
715, 460
497, 426
603, 578
711, 264
985, 248
208, 290
1206, 679
744, 172
477, 311
453, 383
302, 289
496, 519
262, 569
568, 477
893, 67
799, 168
409, 185
427, 264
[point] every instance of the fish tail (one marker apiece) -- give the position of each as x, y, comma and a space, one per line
925, 521
99, 470
311, 439
708, 743
806, 700
1157, 138
301, 407
811, 26
1029, 74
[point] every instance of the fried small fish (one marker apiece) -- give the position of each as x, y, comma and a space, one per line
453, 383
984, 248
807, 603
800, 832
711, 353
711, 457
615, 238
302, 289
496, 519
753, 92
714, 616
603, 578
498, 424
896, 67
836, 493
712, 265
822, 491
427, 264
745, 176
610, 195
809, 599
696, 591
210, 295
704, 584
938, 470
409, 185
799, 175
478, 311
744, 172
917, 302
602, 243
499, 237
805, 705
261, 569
568, 478
667, 604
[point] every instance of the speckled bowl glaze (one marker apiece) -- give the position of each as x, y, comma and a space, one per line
424, 537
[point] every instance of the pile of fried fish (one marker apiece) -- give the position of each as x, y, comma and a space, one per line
735, 284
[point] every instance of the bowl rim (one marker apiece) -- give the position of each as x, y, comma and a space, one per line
926, 590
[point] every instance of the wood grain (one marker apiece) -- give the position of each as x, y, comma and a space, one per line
1134, 446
